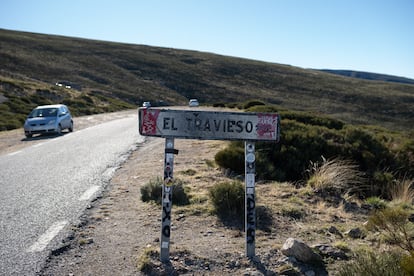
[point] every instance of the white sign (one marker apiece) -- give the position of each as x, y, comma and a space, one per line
209, 125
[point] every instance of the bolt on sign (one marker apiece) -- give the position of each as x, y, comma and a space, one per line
209, 125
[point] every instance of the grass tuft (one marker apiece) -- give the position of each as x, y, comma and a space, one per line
144, 263
335, 175
402, 191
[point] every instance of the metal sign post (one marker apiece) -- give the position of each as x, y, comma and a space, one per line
209, 125
250, 209
167, 199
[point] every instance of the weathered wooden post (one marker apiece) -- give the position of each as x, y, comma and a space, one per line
250, 209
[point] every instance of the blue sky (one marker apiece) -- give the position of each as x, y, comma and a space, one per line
365, 35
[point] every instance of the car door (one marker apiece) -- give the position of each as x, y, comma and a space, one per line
64, 117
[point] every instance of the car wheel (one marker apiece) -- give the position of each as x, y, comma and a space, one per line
59, 130
71, 127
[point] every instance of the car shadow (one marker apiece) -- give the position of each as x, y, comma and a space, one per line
44, 136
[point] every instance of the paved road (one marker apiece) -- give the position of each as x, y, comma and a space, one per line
45, 187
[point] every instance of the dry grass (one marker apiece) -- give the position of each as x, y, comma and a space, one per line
144, 262
335, 175
402, 191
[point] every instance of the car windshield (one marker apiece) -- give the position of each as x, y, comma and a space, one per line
43, 112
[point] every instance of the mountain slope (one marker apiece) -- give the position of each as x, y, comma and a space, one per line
111, 76
369, 76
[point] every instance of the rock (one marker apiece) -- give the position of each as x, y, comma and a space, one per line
328, 251
299, 250
367, 206
355, 233
335, 231
351, 207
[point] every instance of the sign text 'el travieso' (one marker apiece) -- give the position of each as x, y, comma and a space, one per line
208, 125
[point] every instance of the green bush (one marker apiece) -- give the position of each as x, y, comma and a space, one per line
393, 222
407, 263
228, 200
219, 105
252, 103
369, 263
307, 137
152, 191
231, 157
376, 203
296, 213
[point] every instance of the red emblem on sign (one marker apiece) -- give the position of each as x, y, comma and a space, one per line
149, 121
267, 126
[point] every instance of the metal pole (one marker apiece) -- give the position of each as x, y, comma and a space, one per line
167, 199
250, 211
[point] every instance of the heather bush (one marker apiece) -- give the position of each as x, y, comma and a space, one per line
370, 263
228, 200
152, 191
306, 137
252, 103
393, 222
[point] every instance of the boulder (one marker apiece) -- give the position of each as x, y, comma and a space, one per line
301, 251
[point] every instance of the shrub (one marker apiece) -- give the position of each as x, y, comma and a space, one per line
372, 264
306, 137
228, 200
180, 194
381, 182
376, 202
231, 157
251, 103
296, 213
407, 263
219, 104
394, 222
152, 191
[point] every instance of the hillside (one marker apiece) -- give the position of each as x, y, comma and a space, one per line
369, 76
108, 76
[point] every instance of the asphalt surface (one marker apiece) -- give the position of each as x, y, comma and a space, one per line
45, 187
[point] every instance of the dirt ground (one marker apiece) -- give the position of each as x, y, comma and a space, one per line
118, 231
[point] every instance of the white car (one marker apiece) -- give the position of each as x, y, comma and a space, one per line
146, 104
193, 103
48, 119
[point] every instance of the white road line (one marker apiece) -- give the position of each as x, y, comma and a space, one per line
89, 193
38, 145
44, 239
14, 153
